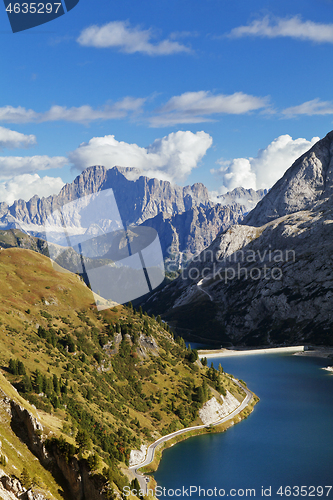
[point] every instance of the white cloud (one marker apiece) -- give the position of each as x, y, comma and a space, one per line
171, 158
266, 168
314, 107
120, 35
26, 186
236, 173
292, 27
86, 114
81, 114
18, 165
9, 114
11, 139
196, 107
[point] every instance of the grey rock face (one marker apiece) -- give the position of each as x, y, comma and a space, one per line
33, 429
184, 235
245, 197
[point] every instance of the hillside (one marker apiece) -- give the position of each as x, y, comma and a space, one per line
268, 281
101, 383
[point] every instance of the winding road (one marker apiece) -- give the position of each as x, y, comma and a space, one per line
143, 480
199, 285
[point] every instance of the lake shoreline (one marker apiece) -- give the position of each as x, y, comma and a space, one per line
237, 415
212, 429
221, 353
296, 395
318, 352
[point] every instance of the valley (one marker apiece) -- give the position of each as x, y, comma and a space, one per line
86, 384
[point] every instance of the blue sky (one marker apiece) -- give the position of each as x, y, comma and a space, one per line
213, 91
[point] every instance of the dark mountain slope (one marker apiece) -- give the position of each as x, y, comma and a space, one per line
266, 283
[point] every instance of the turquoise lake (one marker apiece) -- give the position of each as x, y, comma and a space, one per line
287, 441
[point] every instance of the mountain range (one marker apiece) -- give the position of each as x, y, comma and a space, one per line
185, 218
269, 280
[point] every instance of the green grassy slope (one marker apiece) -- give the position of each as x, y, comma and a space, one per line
103, 382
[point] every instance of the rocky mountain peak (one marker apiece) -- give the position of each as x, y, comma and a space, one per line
246, 197
307, 181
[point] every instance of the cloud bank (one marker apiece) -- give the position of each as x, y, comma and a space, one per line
81, 114
26, 186
310, 108
11, 139
170, 158
128, 39
18, 165
196, 107
266, 168
190, 107
292, 27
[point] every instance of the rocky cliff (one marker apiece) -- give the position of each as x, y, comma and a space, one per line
80, 483
12, 489
184, 235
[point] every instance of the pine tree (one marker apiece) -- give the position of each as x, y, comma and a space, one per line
38, 381
135, 485
205, 389
94, 461
26, 383
12, 366
201, 396
20, 368
25, 478
83, 440
56, 385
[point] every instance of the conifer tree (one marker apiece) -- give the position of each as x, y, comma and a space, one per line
25, 478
